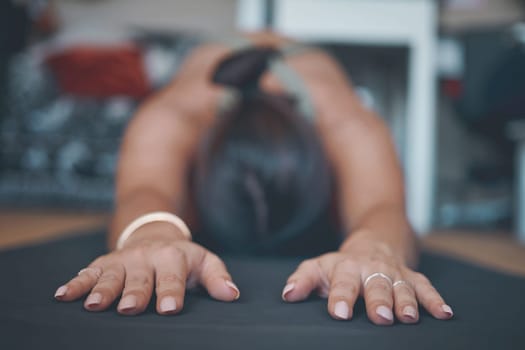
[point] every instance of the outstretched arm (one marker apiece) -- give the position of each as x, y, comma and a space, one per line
157, 258
380, 249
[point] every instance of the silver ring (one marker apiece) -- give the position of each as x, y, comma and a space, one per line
96, 271
377, 274
397, 283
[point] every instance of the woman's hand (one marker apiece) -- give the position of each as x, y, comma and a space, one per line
371, 269
167, 267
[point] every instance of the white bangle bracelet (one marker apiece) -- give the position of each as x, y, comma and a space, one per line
158, 216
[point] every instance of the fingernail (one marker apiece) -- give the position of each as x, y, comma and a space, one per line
61, 291
127, 303
341, 310
410, 311
168, 304
385, 313
94, 299
447, 309
287, 289
234, 287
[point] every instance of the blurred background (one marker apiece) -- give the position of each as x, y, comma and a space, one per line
448, 76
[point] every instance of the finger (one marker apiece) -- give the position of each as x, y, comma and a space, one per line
345, 285
79, 285
429, 297
107, 289
171, 273
379, 301
303, 281
138, 287
405, 303
214, 276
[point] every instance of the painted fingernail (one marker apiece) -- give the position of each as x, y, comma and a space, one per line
168, 304
447, 309
385, 313
287, 289
61, 291
234, 287
410, 311
341, 310
94, 299
129, 302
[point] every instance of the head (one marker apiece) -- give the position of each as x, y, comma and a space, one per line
261, 175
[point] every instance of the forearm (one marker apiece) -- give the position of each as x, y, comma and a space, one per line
153, 166
387, 225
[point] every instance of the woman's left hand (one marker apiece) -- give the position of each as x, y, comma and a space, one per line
370, 269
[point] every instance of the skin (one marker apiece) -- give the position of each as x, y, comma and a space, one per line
160, 143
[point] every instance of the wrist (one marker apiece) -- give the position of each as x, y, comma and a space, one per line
148, 219
401, 246
363, 238
155, 232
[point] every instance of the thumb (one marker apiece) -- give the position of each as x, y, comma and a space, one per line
303, 281
214, 276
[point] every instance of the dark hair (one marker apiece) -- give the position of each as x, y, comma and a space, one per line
261, 176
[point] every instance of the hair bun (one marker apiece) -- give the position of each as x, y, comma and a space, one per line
243, 69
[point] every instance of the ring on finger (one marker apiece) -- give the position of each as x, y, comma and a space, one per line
377, 274
400, 282
96, 271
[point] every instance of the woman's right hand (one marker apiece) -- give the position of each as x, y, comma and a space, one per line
164, 266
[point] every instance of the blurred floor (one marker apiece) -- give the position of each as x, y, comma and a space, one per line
25, 227
496, 250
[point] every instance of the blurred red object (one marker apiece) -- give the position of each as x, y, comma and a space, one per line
453, 88
100, 71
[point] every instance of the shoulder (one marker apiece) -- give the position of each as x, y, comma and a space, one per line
329, 86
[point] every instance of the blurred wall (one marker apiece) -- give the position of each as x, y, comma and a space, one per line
474, 14
217, 16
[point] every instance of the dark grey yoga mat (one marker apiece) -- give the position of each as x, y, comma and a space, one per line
489, 310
